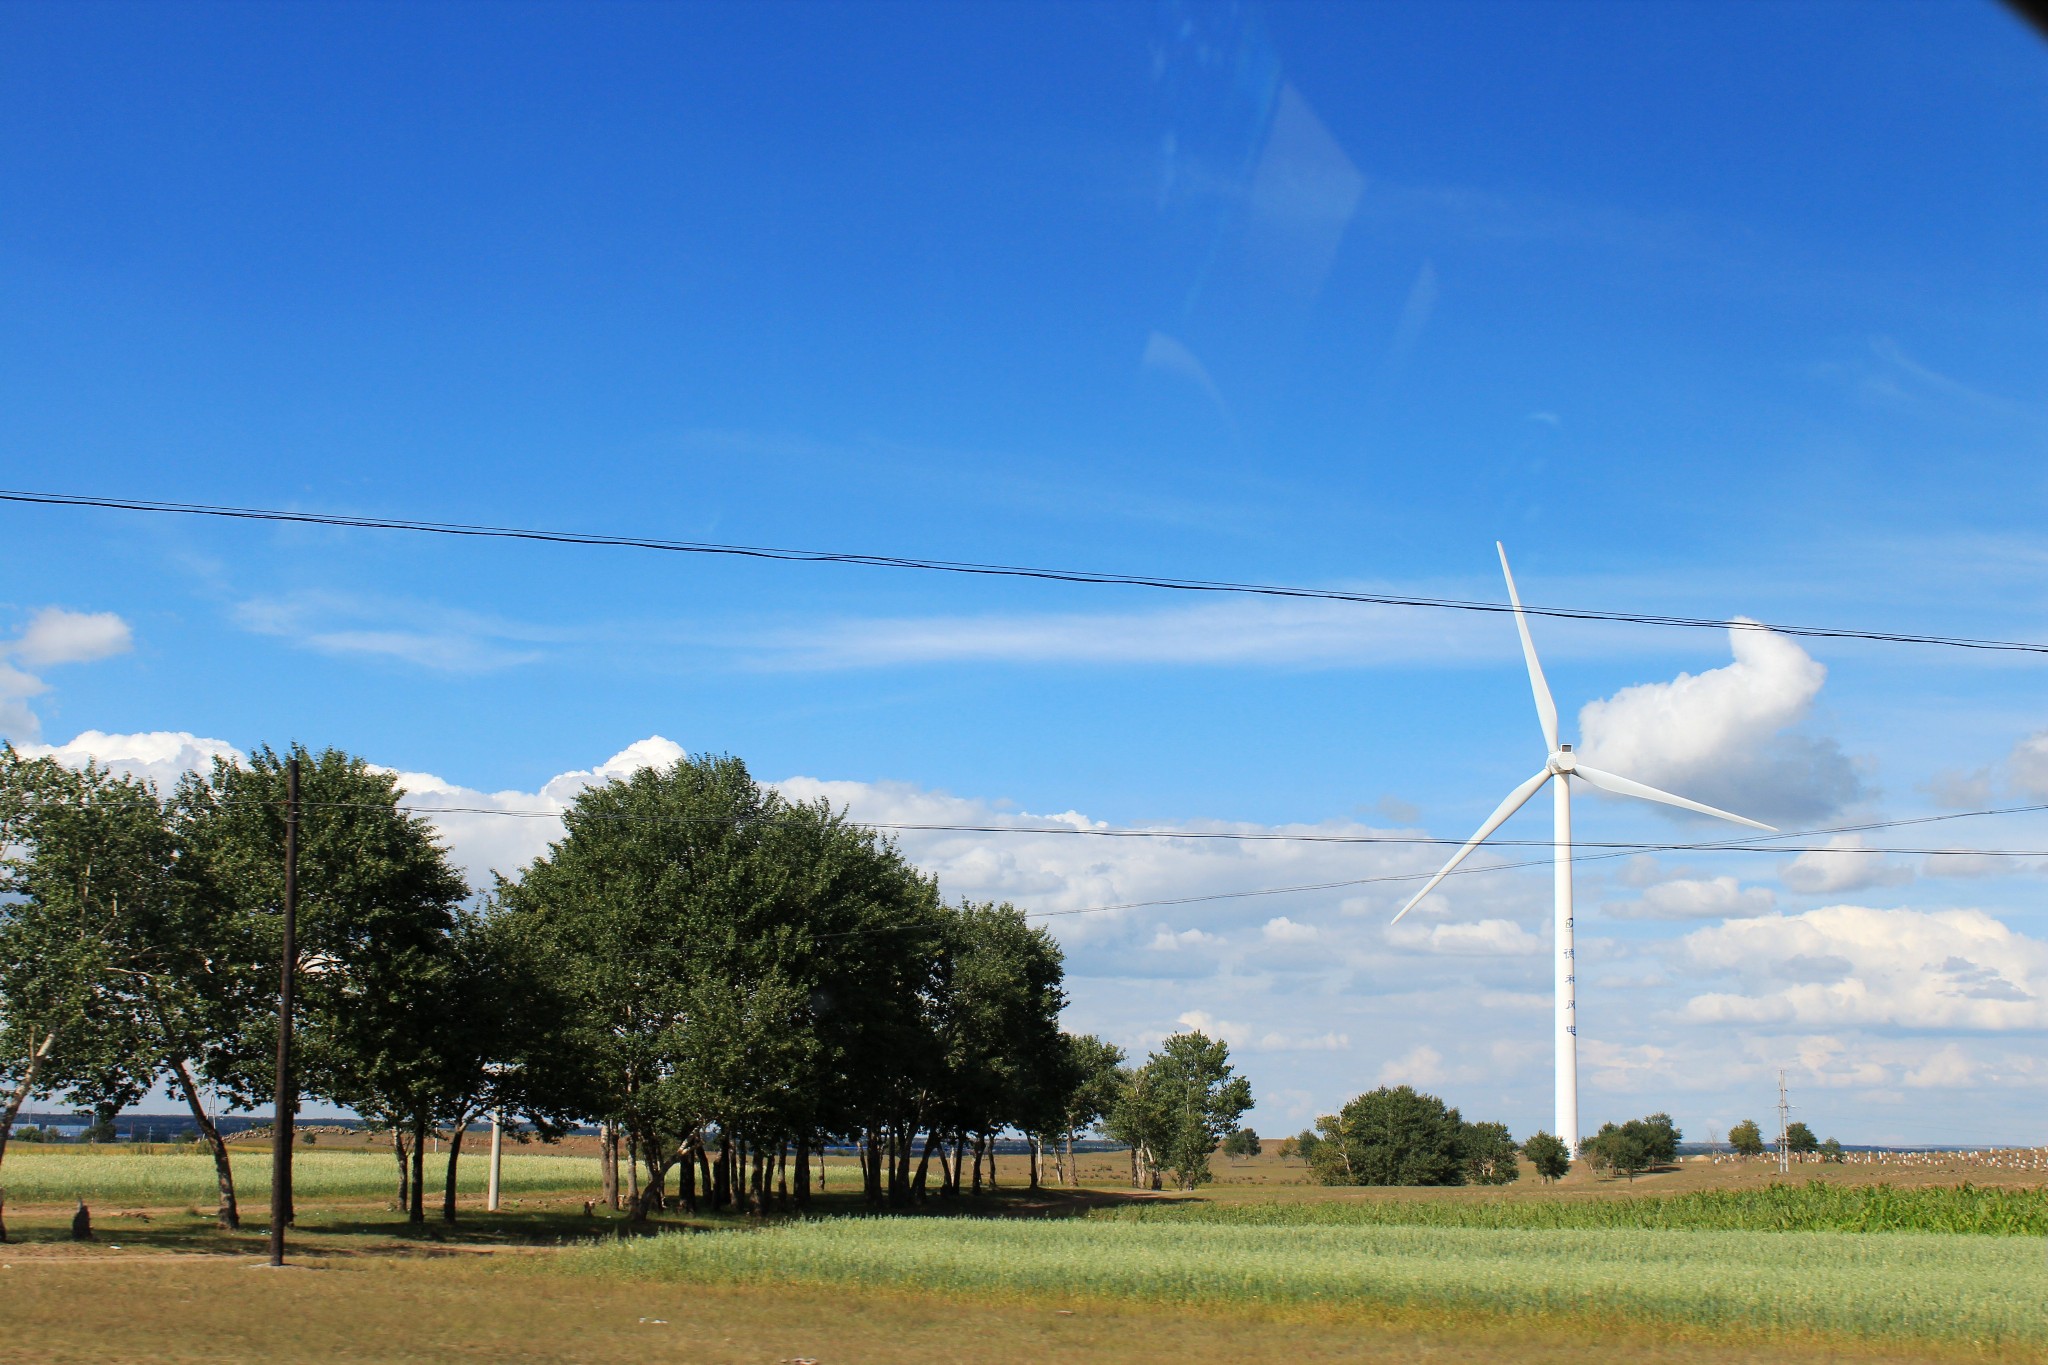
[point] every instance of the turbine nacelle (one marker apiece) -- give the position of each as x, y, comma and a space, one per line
1563, 762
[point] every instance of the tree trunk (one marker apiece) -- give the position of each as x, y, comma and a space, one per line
688, 1161
871, 1169
608, 1163
703, 1163
977, 1165
803, 1170
924, 1164
1037, 1150
416, 1213
454, 1154
404, 1169
782, 1176
721, 1173
230, 1215
637, 1202
14, 1103
1072, 1174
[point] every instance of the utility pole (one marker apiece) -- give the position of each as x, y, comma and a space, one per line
1784, 1127
287, 1092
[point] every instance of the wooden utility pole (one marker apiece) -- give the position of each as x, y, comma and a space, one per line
281, 1133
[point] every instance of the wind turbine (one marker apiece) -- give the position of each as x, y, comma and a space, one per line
1563, 765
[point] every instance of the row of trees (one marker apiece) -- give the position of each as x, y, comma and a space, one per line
724, 980
1399, 1136
1747, 1139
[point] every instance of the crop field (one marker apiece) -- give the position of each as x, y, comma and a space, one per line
1814, 1206
1884, 1285
186, 1177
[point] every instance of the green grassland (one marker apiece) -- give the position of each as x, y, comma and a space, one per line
186, 1176
1912, 1286
1813, 1206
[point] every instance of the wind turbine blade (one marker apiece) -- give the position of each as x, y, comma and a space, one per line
1546, 709
1516, 799
1622, 786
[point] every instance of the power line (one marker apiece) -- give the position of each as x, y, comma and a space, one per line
1754, 843
1054, 575
1748, 844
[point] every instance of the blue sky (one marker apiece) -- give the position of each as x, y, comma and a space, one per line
1715, 310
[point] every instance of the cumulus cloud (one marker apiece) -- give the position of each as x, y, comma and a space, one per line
1284, 930
1696, 898
1479, 938
2027, 766
503, 831
1167, 941
53, 636
1849, 965
56, 636
1420, 1065
157, 756
1846, 864
1724, 736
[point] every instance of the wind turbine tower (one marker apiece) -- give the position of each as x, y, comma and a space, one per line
1562, 765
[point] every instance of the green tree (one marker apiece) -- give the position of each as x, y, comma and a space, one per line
1305, 1143
378, 905
1391, 1136
1548, 1154
1201, 1097
1243, 1142
1094, 1077
1831, 1150
1800, 1140
72, 850
1746, 1139
1635, 1146
1490, 1154
1617, 1150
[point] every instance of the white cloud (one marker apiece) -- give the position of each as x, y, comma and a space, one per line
1482, 938
1277, 633
1721, 736
157, 756
1696, 898
1844, 865
56, 636
1293, 1042
2027, 766
1167, 941
422, 635
1285, 930
1048, 870
1947, 1069
484, 842
52, 636
1421, 1065
1849, 965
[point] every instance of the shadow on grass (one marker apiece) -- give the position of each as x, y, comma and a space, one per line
344, 1229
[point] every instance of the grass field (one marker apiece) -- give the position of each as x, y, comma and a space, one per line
1899, 1285
1698, 1267
186, 1177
